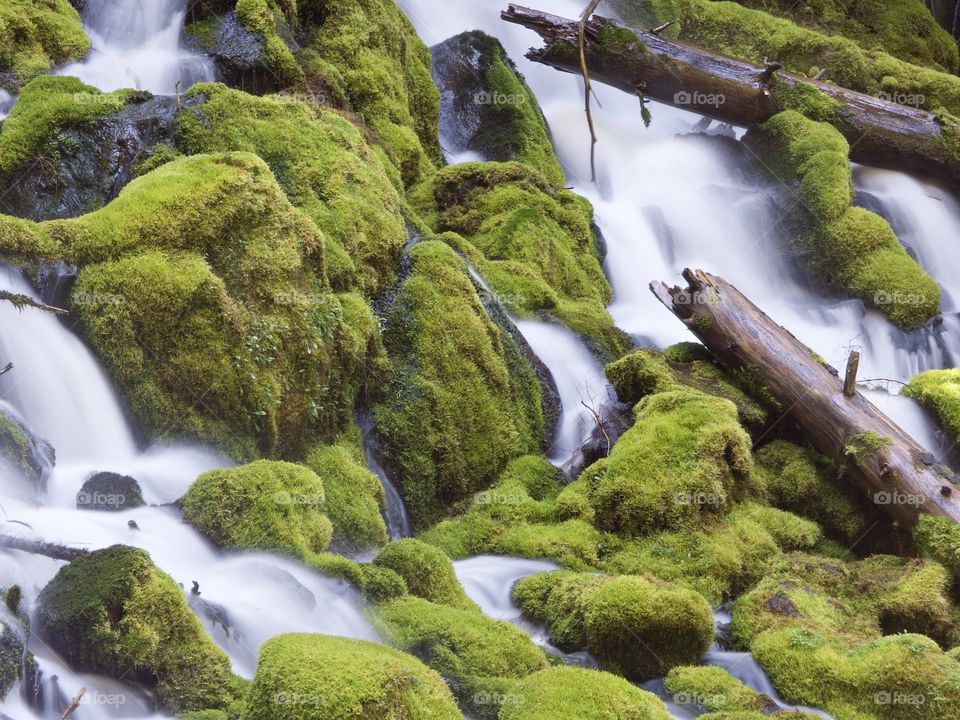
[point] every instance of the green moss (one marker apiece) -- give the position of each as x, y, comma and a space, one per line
750, 35
685, 458
384, 69
354, 496
308, 676
114, 612
571, 693
847, 248
44, 107
35, 36
939, 392
463, 400
638, 374
939, 539
637, 627
324, 166
862, 445
788, 530
712, 688
263, 18
687, 352
267, 505
427, 571
16, 452
477, 655
533, 244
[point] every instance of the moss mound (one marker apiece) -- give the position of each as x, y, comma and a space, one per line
267, 505
479, 656
266, 19
685, 458
939, 392
323, 164
571, 693
16, 450
712, 688
369, 52
637, 627
224, 329
114, 612
640, 373
847, 248
463, 400
427, 571
533, 243
310, 676
354, 496
35, 36
939, 538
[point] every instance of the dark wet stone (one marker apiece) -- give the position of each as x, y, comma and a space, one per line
110, 492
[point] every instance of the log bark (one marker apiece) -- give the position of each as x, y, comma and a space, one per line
880, 133
895, 473
39, 547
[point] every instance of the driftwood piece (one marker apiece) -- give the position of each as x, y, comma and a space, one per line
881, 133
39, 547
896, 473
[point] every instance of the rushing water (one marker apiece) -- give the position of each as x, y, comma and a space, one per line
136, 44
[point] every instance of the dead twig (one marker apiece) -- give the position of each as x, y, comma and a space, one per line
74, 704
20, 301
581, 43
6, 368
600, 424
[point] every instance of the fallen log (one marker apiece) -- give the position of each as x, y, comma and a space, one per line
896, 473
881, 133
39, 547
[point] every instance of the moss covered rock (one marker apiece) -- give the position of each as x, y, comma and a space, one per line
532, 242
847, 248
939, 539
36, 36
354, 496
637, 627
300, 677
479, 656
323, 164
267, 505
712, 688
487, 108
685, 458
939, 392
571, 693
114, 612
20, 453
463, 400
427, 571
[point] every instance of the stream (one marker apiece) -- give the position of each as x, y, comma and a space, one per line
662, 202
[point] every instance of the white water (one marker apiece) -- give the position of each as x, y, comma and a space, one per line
136, 44
6, 103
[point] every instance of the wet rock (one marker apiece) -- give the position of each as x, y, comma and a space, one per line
22, 452
110, 492
616, 418
780, 604
89, 164
16, 663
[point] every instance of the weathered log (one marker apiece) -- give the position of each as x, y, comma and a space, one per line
894, 471
39, 547
880, 133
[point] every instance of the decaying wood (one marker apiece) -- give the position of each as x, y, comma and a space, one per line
74, 704
896, 473
850, 379
38, 547
880, 133
20, 301
585, 73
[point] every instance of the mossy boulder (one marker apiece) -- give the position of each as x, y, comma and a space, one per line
477, 655
267, 505
300, 677
848, 248
427, 571
487, 108
463, 399
638, 374
686, 458
572, 693
530, 240
17, 664
939, 539
635, 626
115, 613
266, 20
324, 165
939, 392
354, 496
21, 454
712, 688
36, 36
109, 491
369, 52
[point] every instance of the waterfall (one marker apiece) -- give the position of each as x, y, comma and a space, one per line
136, 44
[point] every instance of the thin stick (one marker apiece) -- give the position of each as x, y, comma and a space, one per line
581, 42
74, 704
599, 421
6, 368
21, 301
